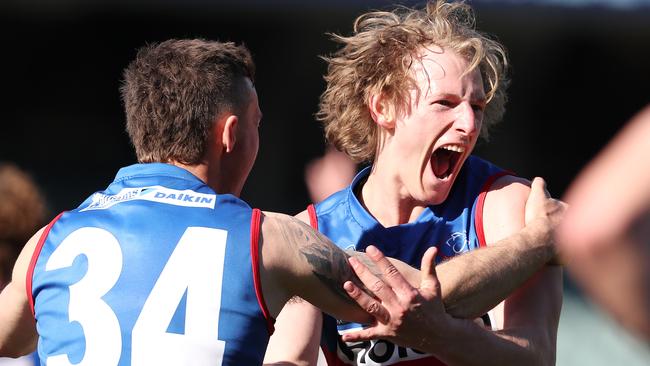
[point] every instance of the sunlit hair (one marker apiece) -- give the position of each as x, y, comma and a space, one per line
173, 91
378, 56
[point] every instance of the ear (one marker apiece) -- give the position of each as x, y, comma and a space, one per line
382, 111
229, 135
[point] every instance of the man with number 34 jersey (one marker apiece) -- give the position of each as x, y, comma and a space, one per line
168, 265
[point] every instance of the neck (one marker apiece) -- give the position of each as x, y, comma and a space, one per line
210, 175
387, 200
200, 171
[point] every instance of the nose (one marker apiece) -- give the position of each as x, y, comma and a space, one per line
466, 120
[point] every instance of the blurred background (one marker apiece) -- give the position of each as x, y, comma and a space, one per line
580, 70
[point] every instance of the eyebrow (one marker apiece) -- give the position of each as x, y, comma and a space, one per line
473, 98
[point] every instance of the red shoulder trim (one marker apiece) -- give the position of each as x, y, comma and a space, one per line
478, 215
255, 261
32, 262
313, 218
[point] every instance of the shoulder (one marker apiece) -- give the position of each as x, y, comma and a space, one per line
332, 202
504, 208
508, 189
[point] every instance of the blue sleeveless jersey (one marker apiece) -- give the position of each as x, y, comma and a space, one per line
157, 269
454, 227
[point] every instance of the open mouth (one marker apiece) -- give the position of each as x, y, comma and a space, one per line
445, 159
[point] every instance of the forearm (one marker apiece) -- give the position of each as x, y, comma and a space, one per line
297, 335
475, 282
467, 343
412, 275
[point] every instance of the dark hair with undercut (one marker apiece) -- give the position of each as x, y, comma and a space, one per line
174, 90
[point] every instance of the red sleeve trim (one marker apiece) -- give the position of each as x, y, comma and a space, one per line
32, 262
478, 215
313, 218
255, 261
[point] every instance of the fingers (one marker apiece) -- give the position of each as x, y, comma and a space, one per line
361, 335
538, 187
367, 303
429, 285
537, 199
390, 274
376, 286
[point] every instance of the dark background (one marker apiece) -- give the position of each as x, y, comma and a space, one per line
578, 74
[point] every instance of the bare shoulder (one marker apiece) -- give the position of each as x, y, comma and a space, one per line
509, 185
504, 207
507, 192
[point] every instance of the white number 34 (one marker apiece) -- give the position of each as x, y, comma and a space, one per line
195, 267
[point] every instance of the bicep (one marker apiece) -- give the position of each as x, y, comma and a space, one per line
18, 332
538, 301
504, 208
297, 260
503, 215
535, 306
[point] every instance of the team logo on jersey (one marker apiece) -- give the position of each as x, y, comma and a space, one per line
458, 242
188, 198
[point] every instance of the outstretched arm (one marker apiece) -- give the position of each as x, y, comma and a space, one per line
298, 261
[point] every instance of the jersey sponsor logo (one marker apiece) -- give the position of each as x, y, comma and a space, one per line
188, 198
374, 352
382, 352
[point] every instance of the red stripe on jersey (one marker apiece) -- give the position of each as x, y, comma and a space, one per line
32, 262
313, 218
255, 261
478, 219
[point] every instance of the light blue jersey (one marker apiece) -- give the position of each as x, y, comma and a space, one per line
157, 269
454, 227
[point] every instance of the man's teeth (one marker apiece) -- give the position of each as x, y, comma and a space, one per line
455, 148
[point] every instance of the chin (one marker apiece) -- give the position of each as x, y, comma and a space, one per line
435, 197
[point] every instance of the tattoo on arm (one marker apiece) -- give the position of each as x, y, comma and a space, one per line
363, 258
328, 263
